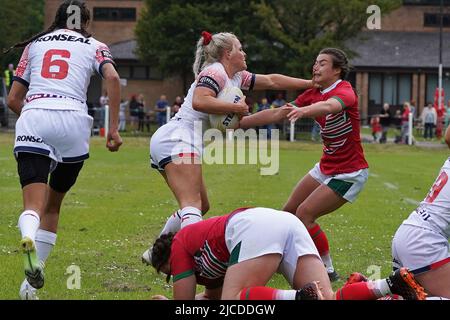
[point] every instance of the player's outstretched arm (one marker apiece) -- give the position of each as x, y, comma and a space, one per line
16, 96
113, 141
263, 118
280, 82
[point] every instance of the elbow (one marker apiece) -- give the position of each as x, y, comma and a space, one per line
196, 105
13, 102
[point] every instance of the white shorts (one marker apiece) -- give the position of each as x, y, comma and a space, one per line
419, 249
284, 234
347, 185
62, 135
176, 140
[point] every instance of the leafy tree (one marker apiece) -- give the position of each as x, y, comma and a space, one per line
19, 20
282, 36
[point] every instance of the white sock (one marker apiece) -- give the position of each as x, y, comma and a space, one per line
380, 287
190, 215
326, 259
45, 240
29, 224
285, 294
173, 223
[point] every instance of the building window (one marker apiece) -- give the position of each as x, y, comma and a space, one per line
114, 14
124, 72
375, 88
391, 88
404, 88
433, 20
139, 72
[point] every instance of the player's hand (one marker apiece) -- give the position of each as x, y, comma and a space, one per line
113, 141
241, 108
159, 297
294, 112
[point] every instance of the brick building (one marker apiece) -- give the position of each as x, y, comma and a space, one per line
399, 62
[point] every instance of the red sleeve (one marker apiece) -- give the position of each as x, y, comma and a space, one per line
181, 262
345, 95
304, 99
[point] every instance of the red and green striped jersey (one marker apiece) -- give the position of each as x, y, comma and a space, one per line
342, 151
199, 249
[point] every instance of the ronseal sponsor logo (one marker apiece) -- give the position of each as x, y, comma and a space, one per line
29, 139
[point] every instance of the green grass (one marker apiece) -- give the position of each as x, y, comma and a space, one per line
119, 204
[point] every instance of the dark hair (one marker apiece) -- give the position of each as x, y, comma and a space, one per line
340, 60
60, 22
161, 250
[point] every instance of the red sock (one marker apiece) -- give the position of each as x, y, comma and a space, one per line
356, 291
258, 293
320, 240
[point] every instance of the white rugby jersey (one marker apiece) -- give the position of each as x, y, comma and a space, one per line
57, 69
216, 78
434, 211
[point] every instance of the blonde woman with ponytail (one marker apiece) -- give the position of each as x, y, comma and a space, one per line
175, 148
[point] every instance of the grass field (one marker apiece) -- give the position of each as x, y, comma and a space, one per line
119, 204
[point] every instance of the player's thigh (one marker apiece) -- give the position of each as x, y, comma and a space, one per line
436, 282
249, 273
301, 192
185, 181
321, 201
310, 268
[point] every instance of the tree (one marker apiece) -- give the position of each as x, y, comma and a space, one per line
20, 19
282, 36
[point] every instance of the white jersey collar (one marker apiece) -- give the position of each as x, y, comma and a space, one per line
330, 87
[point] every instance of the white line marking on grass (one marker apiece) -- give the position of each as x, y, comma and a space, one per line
374, 175
411, 201
390, 186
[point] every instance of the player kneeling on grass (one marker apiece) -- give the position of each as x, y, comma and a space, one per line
234, 256
421, 241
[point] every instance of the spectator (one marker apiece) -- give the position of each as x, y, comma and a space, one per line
9, 74
161, 106
397, 120
134, 112
385, 122
264, 105
122, 115
141, 112
429, 119
405, 122
412, 106
176, 105
376, 128
279, 101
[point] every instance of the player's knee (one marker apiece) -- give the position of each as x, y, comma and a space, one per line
306, 214
33, 168
64, 176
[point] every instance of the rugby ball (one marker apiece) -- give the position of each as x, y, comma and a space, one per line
230, 120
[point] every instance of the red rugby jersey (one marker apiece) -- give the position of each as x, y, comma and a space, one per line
342, 151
